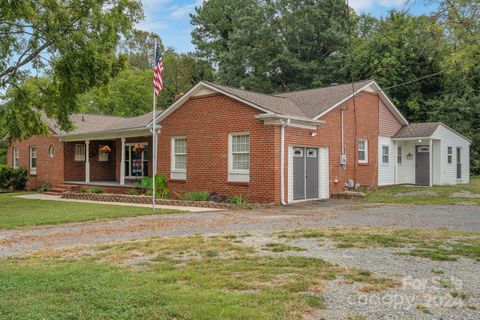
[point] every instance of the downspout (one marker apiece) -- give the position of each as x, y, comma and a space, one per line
282, 160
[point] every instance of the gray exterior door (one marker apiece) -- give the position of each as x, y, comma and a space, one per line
422, 167
305, 173
298, 173
311, 174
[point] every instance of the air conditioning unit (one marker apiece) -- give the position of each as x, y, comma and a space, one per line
343, 159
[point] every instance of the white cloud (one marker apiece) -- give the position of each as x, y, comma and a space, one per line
180, 12
365, 5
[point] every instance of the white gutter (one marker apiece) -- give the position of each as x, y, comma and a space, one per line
282, 161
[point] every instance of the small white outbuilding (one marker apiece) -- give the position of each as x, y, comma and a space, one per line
431, 154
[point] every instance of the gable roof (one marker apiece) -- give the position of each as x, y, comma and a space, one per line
417, 130
308, 105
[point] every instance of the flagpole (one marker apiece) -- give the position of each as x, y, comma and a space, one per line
154, 137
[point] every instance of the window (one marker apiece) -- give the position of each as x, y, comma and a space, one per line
399, 155
362, 151
51, 151
179, 158
449, 155
136, 160
33, 160
239, 157
80, 152
385, 154
16, 158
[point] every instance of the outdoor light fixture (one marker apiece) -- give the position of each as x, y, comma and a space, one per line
313, 134
419, 140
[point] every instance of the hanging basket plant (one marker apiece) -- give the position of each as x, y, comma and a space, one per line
138, 148
105, 149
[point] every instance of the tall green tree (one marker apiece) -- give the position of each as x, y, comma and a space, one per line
73, 42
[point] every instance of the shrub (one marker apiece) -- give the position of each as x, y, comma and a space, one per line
238, 200
13, 179
133, 192
95, 190
161, 189
196, 196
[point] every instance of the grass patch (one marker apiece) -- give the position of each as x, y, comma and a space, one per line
18, 212
440, 194
196, 196
280, 247
438, 245
181, 279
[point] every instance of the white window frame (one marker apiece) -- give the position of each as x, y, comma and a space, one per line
80, 156
238, 175
399, 154
178, 173
387, 154
450, 155
16, 158
129, 161
365, 150
33, 170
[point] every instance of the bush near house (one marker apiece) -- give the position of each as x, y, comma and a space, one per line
13, 179
196, 196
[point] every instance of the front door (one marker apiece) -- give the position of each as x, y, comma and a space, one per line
459, 163
305, 173
422, 167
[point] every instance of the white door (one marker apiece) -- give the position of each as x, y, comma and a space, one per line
324, 174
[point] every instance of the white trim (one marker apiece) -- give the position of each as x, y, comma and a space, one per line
237, 175
430, 162
453, 131
365, 150
122, 162
130, 160
113, 134
178, 174
190, 92
32, 170
87, 161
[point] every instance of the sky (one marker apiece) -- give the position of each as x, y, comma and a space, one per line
171, 21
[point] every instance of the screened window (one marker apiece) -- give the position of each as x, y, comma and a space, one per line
16, 157
362, 151
399, 155
80, 152
449, 155
385, 154
136, 160
240, 153
33, 160
179, 154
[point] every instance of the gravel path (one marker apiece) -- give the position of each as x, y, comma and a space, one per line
424, 291
301, 216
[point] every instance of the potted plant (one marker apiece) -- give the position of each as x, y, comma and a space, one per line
105, 149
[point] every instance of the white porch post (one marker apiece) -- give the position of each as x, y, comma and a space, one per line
430, 160
87, 161
122, 163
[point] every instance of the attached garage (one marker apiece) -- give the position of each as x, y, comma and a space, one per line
308, 176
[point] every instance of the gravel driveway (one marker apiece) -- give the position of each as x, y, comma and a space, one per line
301, 216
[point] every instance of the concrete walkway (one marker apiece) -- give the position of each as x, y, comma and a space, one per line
41, 196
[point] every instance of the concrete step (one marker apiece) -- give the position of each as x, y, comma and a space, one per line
58, 190
52, 193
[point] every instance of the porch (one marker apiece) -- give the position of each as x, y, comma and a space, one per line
114, 164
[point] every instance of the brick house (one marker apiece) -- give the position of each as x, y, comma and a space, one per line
280, 148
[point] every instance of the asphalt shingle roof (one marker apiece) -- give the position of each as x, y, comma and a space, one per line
417, 130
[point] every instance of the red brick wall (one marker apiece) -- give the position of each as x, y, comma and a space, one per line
206, 122
329, 135
49, 169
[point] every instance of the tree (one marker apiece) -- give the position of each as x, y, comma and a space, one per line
73, 42
130, 93
139, 48
273, 45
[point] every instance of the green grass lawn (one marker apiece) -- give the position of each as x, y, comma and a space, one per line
425, 195
17, 212
168, 278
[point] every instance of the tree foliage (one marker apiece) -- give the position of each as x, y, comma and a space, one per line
73, 42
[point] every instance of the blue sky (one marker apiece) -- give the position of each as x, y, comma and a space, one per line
170, 18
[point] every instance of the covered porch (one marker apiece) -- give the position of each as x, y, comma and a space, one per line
113, 162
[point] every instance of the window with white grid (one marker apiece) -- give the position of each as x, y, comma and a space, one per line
80, 152
362, 151
33, 160
16, 158
180, 154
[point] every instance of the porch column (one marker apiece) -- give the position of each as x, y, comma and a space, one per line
122, 163
87, 161
430, 158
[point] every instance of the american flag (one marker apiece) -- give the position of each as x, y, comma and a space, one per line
158, 71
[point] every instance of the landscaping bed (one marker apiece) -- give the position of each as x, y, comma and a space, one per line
107, 197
